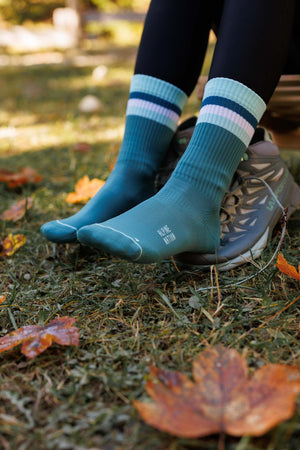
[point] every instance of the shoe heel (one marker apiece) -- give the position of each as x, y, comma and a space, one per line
294, 199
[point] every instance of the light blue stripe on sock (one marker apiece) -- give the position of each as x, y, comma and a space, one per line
160, 88
227, 124
232, 106
156, 109
154, 99
220, 111
238, 92
153, 115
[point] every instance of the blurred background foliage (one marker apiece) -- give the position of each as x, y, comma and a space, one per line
19, 11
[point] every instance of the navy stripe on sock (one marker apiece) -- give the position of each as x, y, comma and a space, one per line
156, 100
230, 104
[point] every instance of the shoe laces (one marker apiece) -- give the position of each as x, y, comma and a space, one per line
279, 244
231, 200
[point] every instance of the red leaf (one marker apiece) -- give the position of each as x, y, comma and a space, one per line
15, 179
35, 339
82, 147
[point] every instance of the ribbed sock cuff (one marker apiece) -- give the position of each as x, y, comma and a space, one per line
237, 92
233, 106
227, 120
160, 88
156, 100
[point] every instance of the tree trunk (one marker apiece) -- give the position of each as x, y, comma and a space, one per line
75, 5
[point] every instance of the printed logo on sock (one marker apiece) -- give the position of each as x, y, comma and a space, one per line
167, 234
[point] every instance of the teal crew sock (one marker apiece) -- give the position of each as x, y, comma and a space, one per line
153, 110
184, 215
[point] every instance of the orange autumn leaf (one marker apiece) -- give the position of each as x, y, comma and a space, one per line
35, 338
15, 179
17, 210
2, 298
84, 190
286, 268
11, 244
222, 397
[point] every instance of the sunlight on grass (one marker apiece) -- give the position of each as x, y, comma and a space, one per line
63, 133
33, 124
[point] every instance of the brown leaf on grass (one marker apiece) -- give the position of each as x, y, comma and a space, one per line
11, 244
2, 298
222, 397
24, 176
17, 210
286, 268
35, 338
82, 147
84, 190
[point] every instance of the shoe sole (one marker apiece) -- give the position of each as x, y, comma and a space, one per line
256, 250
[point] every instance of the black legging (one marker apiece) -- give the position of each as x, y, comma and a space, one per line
252, 41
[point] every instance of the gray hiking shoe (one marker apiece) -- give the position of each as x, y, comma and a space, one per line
249, 212
175, 151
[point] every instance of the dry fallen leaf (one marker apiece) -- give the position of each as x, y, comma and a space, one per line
17, 210
35, 339
222, 398
286, 268
84, 190
82, 147
15, 179
2, 298
11, 244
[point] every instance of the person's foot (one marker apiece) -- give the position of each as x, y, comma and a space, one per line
153, 110
164, 225
184, 215
133, 250
122, 191
249, 211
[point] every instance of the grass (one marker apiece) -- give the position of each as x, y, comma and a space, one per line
129, 315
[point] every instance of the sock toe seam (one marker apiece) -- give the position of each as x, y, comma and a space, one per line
66, 225
126, 235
